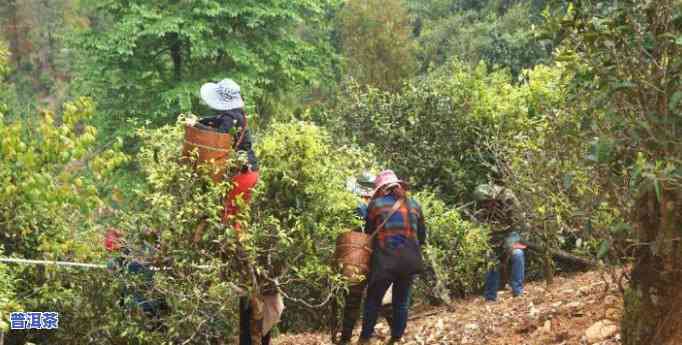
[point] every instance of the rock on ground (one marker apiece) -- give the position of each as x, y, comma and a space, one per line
600, 331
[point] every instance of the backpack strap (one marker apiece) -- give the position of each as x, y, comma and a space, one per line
242, 133
394, 209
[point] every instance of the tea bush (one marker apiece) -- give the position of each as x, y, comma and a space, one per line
456, 251
49, 202
300, 206
437, 131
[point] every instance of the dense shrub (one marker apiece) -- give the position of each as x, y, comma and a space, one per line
435, 132
8, 301
49, 202
457, 251
300, 206
560, 202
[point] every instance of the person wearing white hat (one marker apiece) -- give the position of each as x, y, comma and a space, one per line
225, 97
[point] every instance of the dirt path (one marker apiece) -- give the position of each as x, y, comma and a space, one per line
580, 309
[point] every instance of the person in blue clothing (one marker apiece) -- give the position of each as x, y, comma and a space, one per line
134, 268
362, 186
397, 223
497, 204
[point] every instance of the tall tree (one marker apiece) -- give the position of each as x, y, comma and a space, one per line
499, 33
377, 43
629, 70
148, 58
36, 30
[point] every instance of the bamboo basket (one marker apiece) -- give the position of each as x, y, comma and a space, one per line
353, 252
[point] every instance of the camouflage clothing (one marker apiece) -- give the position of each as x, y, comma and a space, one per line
497, 206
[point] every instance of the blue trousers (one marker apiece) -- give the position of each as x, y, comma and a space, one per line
401, 301
492, 279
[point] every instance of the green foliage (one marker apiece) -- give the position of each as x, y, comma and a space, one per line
589, 145
302, 206
48, 207
173, 200
46, 196
437, 131
545, 167
500, 38
148, 59
7, 279
8, 300
457, 250
630, 134
7, 94
4, 59
634, 108
376, 43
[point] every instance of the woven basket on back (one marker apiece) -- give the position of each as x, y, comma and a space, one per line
353, 252
211, 146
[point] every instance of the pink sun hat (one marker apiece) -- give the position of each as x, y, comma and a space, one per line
387, 178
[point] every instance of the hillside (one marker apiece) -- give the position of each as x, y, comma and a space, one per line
578, 309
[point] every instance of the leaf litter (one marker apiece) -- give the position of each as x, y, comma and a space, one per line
577, 309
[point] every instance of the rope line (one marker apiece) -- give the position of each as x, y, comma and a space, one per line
68, 264
47, 262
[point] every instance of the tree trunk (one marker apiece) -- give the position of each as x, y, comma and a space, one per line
653, 306
560, 254
549, 268
176, 56
13, 32
547, 258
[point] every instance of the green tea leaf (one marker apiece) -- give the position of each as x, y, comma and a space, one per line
603, 250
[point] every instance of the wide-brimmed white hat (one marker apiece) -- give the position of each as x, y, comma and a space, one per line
224, 95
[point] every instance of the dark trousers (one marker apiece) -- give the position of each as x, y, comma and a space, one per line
245, 323
401, 301
351, 311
